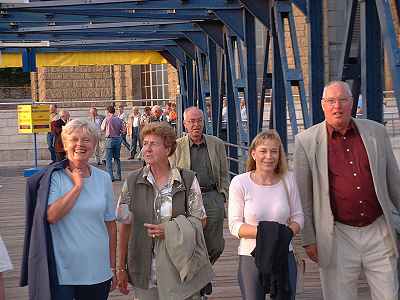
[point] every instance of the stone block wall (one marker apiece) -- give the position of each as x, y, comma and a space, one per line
71, 84
173, 82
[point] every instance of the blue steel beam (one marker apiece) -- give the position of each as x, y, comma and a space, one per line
177, 52
183, 85
187, 47
115, 5
46, 15
198, 38
391, 44
278, 104
214, 29
233, 19
29, 60
260, 9
371, 61
280, 10
316, 58
113, 26
189, 81
214, 81
231, 96
266, 81
169, 57
251, 79
87, 35
349, 67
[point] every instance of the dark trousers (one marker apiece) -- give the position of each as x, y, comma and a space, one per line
125, 142
97, 291
249, 282
214, 230
135, 140
50, 146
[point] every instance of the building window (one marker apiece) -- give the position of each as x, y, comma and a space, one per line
154, 82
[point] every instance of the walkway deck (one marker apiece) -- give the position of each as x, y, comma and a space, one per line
12, 189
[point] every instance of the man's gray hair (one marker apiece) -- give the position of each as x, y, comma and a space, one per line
75, 124
192, 108
343, 84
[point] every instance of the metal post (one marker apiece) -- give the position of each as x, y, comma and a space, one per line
35, 150
371, 61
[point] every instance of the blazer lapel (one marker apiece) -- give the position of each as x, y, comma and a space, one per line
321, 154
369, 141
185, 155
212, 154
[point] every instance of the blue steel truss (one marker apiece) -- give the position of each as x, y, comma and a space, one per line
212, 45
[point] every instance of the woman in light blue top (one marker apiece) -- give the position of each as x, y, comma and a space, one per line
81, 214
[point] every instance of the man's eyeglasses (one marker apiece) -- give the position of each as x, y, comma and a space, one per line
194, 121
333, 101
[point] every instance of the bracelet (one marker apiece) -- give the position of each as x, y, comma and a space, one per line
121, 270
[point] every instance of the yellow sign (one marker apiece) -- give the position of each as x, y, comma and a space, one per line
33, 118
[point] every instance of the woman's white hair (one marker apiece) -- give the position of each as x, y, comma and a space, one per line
75, 124
343, 84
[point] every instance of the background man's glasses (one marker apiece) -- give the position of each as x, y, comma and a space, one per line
333, 101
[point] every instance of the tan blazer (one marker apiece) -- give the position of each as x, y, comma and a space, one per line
217, 154
311, 168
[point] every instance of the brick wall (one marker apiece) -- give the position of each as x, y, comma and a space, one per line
69, 84
173, 82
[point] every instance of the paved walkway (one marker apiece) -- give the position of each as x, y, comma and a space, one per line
12, 189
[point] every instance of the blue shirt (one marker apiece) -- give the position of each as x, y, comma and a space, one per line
80, 238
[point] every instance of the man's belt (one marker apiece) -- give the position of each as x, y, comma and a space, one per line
206, 189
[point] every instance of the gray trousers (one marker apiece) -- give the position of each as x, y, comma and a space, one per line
214, 230
366, 249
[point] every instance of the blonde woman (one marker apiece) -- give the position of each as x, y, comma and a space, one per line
266, 192
72, 227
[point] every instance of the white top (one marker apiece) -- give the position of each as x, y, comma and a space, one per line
135, 122
251, 203
5, 262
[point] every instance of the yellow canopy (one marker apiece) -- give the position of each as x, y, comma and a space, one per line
61, 59
10, 60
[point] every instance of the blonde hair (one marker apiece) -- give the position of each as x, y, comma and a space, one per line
75, 124
270, 134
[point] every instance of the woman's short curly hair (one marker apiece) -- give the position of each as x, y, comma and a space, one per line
164, 131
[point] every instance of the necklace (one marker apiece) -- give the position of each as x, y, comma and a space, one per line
271, 181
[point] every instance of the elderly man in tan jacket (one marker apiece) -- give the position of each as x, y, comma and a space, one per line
206, 155
348, 180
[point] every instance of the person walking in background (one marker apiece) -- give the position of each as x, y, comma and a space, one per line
266, 193
349, 179
113, 127
206, 155
96, 121
124, 117
50, 135
146, 117
134, 131
56, 129
156, 114
70, 237
5, 265
173, 116
224, 124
